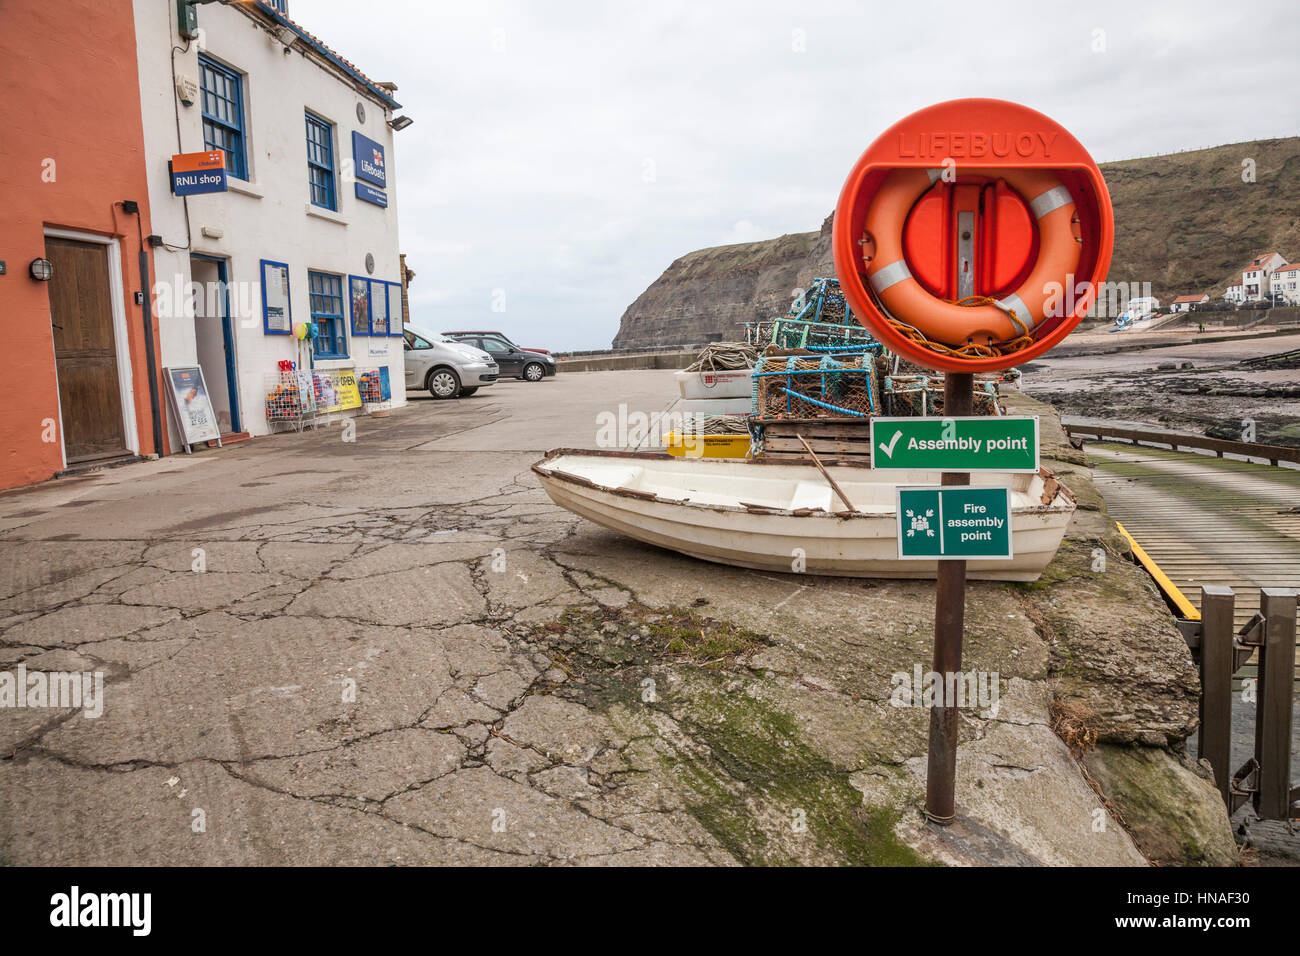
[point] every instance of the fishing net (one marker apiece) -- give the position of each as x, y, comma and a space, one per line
718, 425
724, 356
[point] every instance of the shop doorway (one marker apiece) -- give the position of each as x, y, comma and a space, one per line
91, 354
214, 340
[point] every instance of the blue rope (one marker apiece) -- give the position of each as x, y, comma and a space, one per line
812, 401
869, 347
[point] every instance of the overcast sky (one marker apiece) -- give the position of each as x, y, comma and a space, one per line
565, 153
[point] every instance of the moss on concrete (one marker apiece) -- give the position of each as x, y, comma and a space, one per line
1173, 811
746, 775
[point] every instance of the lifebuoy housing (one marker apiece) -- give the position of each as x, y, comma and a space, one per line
1038, 252
1003, 320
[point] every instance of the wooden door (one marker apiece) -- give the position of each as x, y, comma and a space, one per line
84, 349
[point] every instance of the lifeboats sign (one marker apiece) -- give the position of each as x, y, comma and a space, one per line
368, 157
989, 443
195, 173
954, 522
973, 235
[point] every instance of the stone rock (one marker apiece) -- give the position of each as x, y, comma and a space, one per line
1114, 647
1175, 813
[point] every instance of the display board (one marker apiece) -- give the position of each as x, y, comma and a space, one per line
277, 317
335, 390
187, 394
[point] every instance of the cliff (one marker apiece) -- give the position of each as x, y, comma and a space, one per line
1185, 222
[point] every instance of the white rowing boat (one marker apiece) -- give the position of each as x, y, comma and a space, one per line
754, 514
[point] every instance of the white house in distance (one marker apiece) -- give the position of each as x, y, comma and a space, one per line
1143, 305
1286, 282
1184, 303
305, 231
1256, 277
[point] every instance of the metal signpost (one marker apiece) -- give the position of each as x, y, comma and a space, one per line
970, 237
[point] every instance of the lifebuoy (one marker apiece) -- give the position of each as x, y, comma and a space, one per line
985, 325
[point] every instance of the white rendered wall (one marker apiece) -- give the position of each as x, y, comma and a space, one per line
269, 216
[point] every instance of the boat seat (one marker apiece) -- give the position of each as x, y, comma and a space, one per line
617, 476
811, 494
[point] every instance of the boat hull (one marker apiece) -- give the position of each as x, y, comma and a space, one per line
849, 544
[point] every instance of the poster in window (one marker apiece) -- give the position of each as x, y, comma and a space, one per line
188, 396
378, 308
360, 306
277, 318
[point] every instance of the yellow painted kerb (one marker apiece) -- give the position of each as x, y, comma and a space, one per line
1184, 606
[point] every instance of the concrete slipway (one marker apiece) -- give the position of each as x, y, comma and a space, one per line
401, 652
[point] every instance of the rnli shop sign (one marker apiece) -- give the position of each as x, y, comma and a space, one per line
195, 173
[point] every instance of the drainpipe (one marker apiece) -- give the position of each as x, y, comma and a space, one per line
151, 360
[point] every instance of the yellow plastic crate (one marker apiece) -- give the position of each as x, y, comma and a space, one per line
707, 446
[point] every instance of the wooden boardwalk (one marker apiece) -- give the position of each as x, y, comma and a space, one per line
1206, 520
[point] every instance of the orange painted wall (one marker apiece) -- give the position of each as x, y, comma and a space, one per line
71, 96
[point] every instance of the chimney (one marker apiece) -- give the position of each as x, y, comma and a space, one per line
407, 276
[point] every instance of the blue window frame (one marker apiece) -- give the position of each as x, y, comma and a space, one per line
223, 114
394, 308
277, 310
327, 315
281, 5
320, 162
376, 306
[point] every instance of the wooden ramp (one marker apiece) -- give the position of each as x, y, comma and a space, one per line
1206, 520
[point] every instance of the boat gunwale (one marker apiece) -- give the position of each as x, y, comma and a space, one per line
1054, 508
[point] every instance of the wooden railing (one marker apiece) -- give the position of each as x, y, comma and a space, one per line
1220, 446
1265, 779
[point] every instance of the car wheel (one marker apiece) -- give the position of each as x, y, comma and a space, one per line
465, 392
443, 383
533, 372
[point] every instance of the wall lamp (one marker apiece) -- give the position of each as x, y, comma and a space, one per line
400, 122
42, 270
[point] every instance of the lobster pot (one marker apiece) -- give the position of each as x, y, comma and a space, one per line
790, 333
819, 320
812, 386
919, 395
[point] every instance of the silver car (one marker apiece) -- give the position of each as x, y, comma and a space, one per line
445, 368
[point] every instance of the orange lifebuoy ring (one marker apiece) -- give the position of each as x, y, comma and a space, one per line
958, 326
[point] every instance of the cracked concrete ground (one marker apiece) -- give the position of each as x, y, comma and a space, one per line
397, 650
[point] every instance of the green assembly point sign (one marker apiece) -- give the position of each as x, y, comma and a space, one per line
990, 443
955, 522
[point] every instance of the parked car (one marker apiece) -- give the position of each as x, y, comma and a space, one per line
445, 368
531, 365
